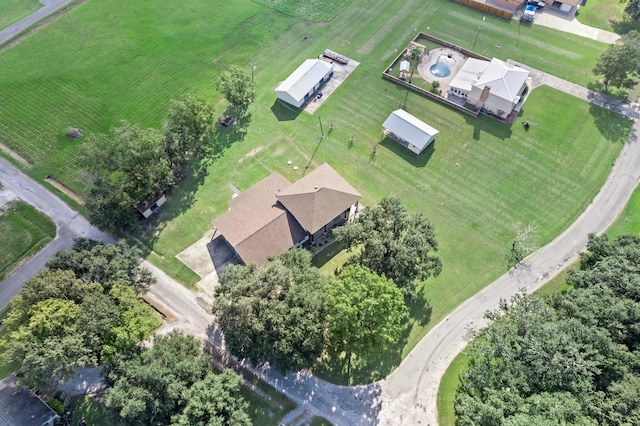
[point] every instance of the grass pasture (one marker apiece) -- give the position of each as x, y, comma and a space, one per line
23, 231
106, 61
11, 11
139, 56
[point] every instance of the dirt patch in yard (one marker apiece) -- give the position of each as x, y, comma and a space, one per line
13, 154
64, 189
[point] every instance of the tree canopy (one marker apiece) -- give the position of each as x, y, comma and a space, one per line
78, 313
128, 166
132, 156
632, 9
620, 63
365, 312
565, 358
275, 313
394, 244
236, 86
188, 129
106, 264
172, 383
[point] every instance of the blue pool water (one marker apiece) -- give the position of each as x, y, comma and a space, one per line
442, 67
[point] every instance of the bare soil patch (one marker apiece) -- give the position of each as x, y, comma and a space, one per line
13, 154
65, 190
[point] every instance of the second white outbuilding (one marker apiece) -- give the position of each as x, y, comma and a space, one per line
409, 131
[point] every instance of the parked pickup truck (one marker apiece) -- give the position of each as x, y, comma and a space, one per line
529, 13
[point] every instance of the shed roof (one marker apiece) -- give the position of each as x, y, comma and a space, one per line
319, 197
409, 128
304, 78
505, 79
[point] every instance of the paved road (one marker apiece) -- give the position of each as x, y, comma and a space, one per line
70, 225
49, 7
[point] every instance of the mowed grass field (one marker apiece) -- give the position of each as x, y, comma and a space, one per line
115, 60
23, 231
12, 11
110, 60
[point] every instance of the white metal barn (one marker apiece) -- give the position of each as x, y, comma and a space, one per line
304, 82
409, 131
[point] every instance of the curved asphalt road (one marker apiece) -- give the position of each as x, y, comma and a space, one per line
70, 225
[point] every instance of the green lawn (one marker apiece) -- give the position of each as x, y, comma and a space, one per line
111, 60
12, 11
23, 231
92, 412
629, 220
139, 56
448, 387
607, 15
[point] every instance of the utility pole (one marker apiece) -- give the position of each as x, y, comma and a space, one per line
478, 34
321, 129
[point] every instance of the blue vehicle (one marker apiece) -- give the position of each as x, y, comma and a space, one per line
529, 13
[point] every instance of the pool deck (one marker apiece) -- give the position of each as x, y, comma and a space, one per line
431, 58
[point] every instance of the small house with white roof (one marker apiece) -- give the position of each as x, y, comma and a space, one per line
304, 82
409, 131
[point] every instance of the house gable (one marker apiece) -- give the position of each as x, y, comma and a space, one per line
318, 198
506, 81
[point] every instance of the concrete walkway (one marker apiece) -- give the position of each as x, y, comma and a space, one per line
49, 7
548, 17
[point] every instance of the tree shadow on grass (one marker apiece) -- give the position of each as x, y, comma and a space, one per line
624, 26
182, 195
614, 92
420, 309
609, 124
363, 371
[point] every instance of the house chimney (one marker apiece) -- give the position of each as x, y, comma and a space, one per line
483, 97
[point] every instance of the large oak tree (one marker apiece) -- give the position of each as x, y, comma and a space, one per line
365, 312
394, 244
275, 313
172, 383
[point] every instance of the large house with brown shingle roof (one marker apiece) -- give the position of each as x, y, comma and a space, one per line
275, 215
